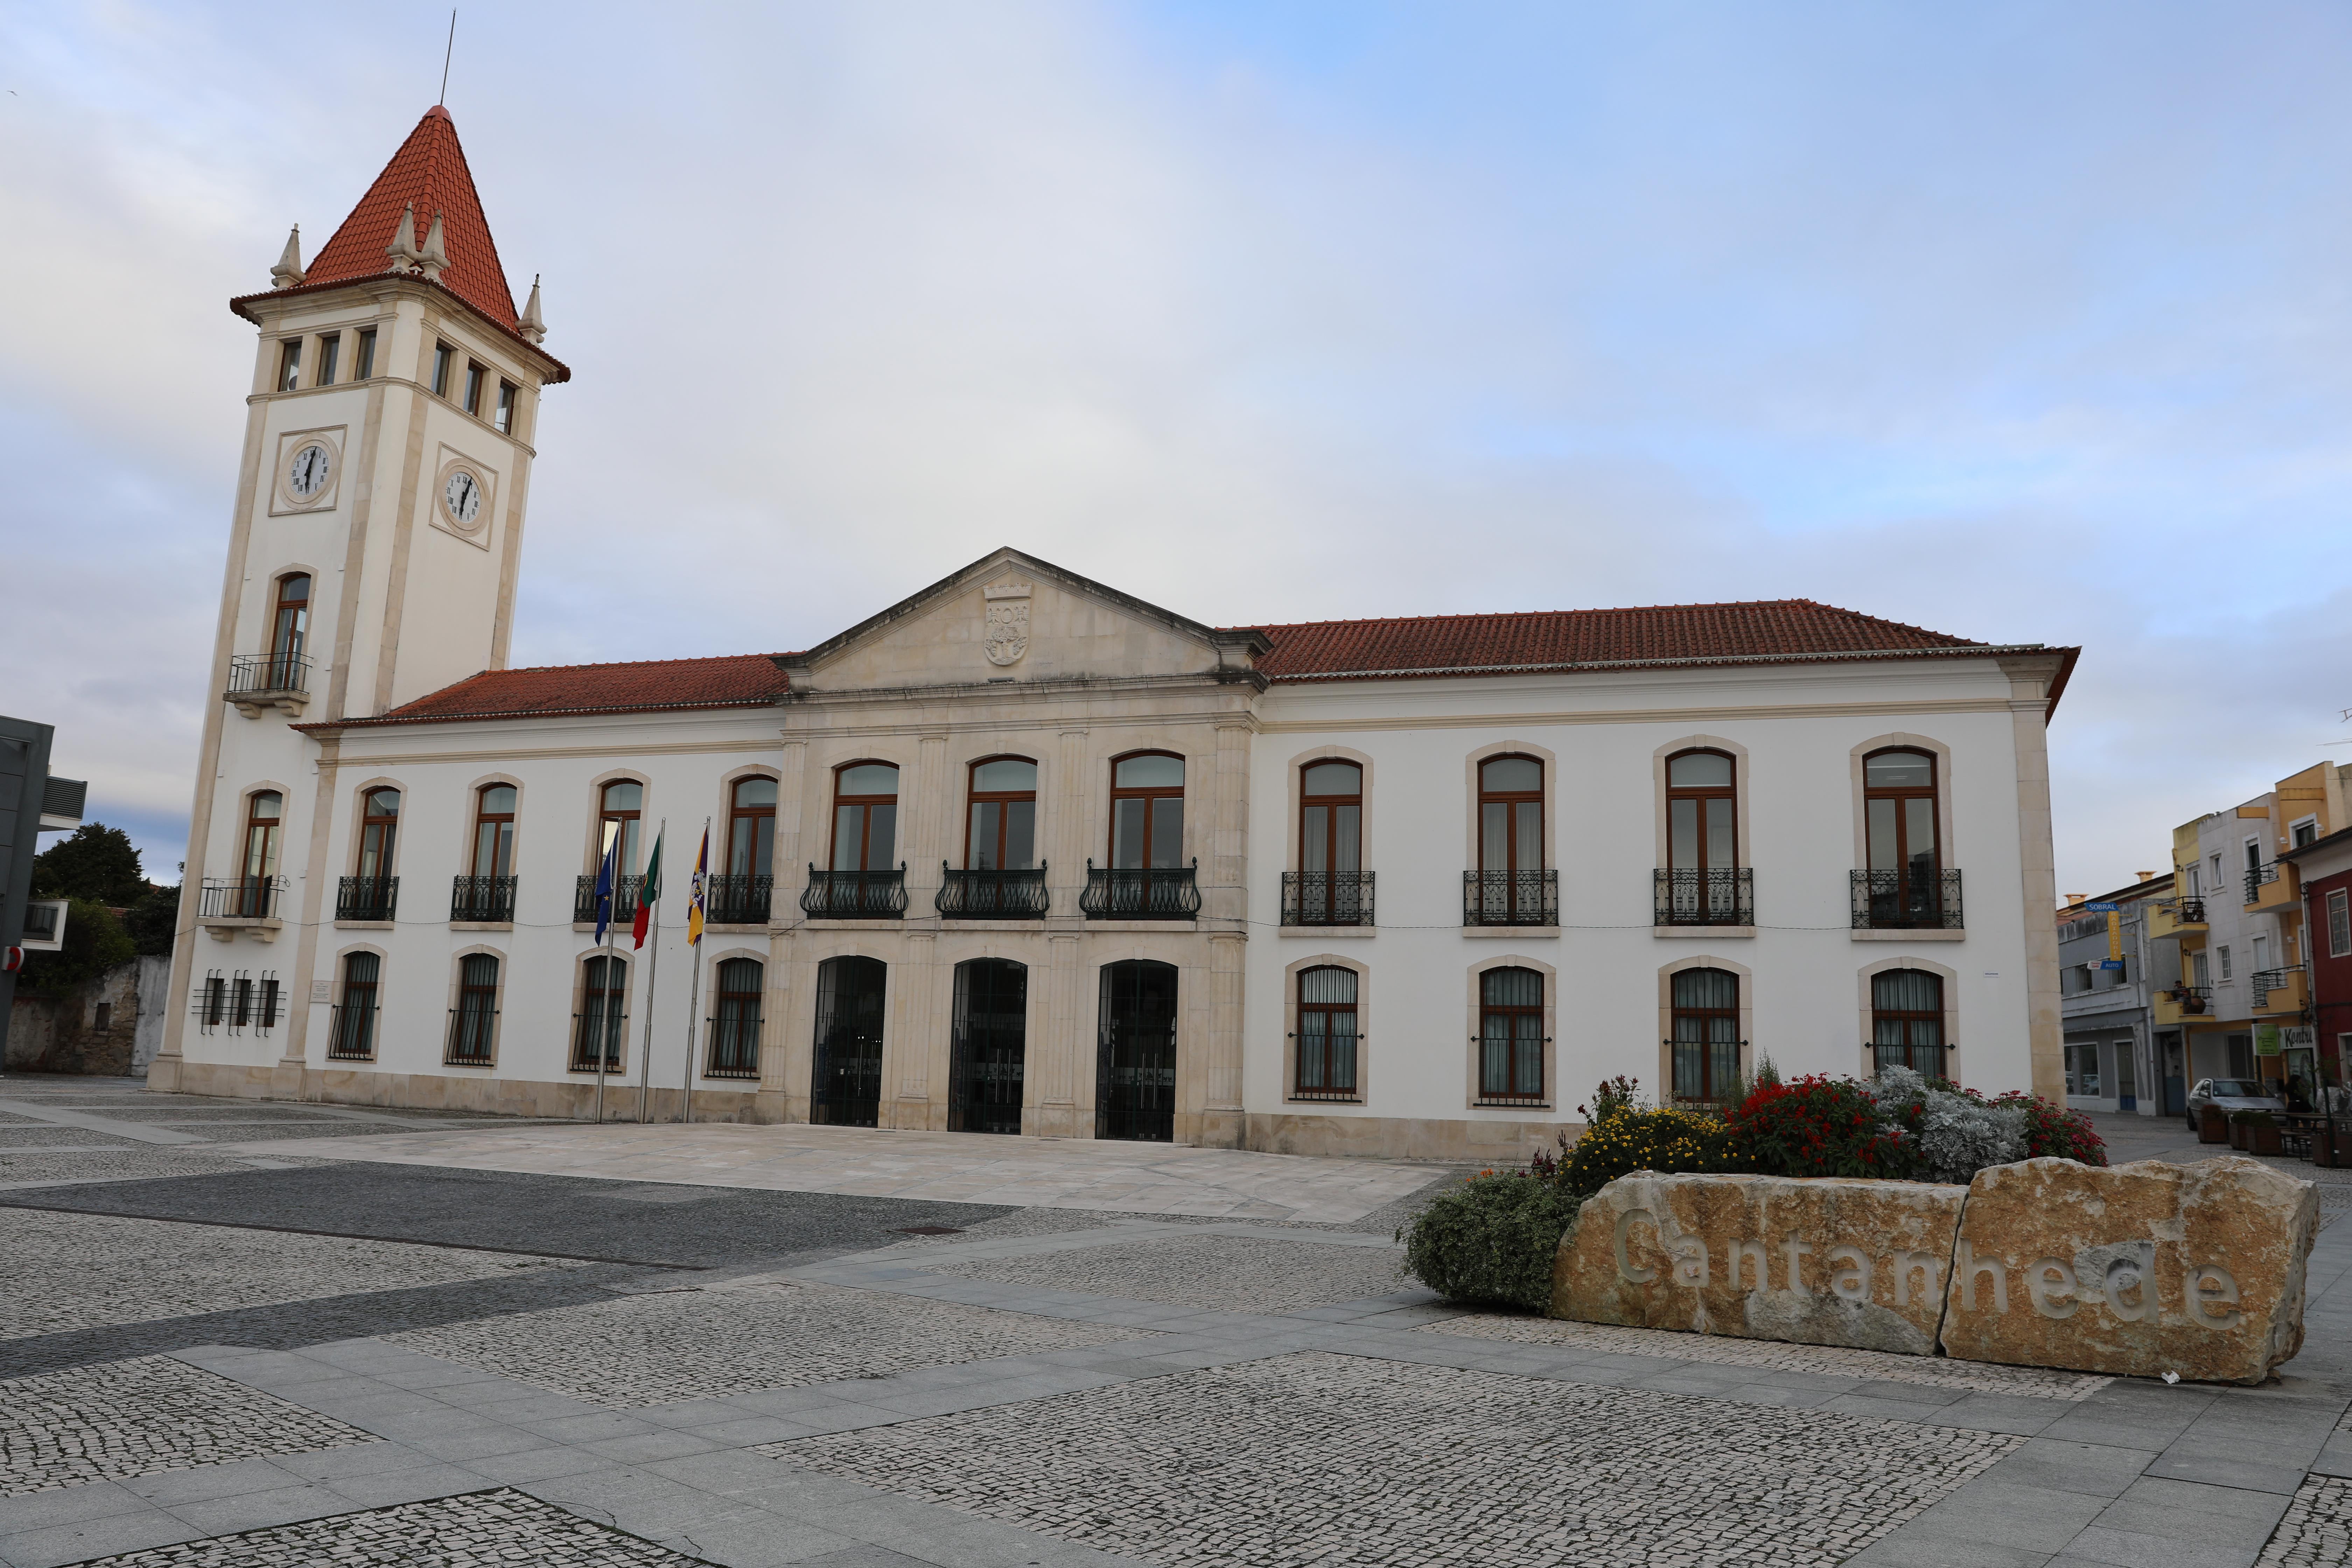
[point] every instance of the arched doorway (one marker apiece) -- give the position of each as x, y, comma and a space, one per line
846, 1087
1135, 1064
986, 1060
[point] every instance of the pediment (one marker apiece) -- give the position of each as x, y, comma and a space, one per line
1011, 616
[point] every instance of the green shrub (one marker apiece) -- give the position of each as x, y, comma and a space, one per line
2253, 1119
1637, 1140
1491, 1241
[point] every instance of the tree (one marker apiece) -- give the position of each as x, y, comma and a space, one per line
94, 943
154, 921
97, 863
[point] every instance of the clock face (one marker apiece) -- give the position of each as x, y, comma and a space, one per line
463, 496
310, 471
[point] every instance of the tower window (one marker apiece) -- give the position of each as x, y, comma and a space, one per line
505, 419
474, 374
443, 357
363, 358
330, 348
290, 363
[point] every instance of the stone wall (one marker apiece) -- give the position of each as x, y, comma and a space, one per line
93, 1029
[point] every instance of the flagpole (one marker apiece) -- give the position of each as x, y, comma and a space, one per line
653, 978
694, 960
609, 875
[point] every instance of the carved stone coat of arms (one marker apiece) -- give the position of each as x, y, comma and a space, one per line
1007, 636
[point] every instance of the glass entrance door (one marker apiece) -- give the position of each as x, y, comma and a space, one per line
1135, 1064
986, 1063
846, 1087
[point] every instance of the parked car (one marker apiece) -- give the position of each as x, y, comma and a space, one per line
2230, 1094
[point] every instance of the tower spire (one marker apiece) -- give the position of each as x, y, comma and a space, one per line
435, 255
532, 329
402, 248
426, 189
288, 270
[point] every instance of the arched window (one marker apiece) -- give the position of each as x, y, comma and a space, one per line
1705, 1035
265, 827
1906, 1020
864, 816
1147, 811
1906, 884
735, 1019
602, 1020
1510, 1035
846, 1087
1327, 1032
1701, 882
494, 831
752, 827
1001, 827
290, 631
474, 1022
620, 809
379, 820
352, 1037
1332, 889
1510, 887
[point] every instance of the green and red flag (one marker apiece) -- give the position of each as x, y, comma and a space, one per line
648, 896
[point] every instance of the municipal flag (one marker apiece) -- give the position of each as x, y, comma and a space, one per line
608, 874
694, 903
648, 896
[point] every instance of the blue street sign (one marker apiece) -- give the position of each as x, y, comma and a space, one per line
2102, 909
2106, 964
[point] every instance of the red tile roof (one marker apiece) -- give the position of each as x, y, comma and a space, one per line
1764, 630
429, 171
737, 680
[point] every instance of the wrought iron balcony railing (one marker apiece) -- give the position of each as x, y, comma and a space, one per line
2191, 999
240, 897
1510, 897
991, 893
1709, 896
624, 900
2190, 911
738, 899
472, 1033
2266, 981
1141, 892
484, 900
855, 895
608, 1027
2255, 877
367, 898
255, 674
1326, 898
734, 1046
350, 1033
1907, 900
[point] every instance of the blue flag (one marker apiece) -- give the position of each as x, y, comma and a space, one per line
607, 876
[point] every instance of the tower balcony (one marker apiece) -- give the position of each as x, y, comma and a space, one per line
266, 682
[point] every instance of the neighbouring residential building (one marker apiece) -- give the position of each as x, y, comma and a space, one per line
2243, 1005
33, 801
2322, 865
1025, 852
2109, 973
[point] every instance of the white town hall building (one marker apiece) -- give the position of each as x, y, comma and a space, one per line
1025, 854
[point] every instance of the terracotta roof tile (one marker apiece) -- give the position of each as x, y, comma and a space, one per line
1550, 639
429, 171
737, 680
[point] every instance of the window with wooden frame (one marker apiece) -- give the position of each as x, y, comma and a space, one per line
735, 1019
1705, 1025
504, 419
1000, 827
864, 816
290, 631
1327, 1034
265, 827
474, 1021
474, 376
289, 365
330, 349
1147, 811
2339, 923
494, 830
1330, 842
1511, 1035
443, 358
1702, 812
379, 823
364, 359
1510, 814
620, 810
752, 827
602, 1028
352, 1038
1906, 1020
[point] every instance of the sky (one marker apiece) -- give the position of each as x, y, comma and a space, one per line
2024, 323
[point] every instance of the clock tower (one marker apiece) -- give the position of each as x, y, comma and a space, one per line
372, 547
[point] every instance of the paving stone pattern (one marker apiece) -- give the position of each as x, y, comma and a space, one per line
2318, 1528
44, 1134
658, 1348
132, 1163
1348, 1459
78, 1270
474, 1531
1222, 1273
140, 1417
1830, 1361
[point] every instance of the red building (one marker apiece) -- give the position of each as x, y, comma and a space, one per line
2326, 869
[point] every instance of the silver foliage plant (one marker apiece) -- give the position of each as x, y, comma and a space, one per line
1958, 1133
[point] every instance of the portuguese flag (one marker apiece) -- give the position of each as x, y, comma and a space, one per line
648, 896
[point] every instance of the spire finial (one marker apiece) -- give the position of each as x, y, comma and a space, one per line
402, 248
528, 324
434, 256
288, 270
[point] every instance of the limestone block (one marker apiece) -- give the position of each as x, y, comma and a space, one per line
2136, 1270
1821, 1261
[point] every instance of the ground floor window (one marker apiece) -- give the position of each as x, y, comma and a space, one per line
988, 1052
1327, 1032
1906, 1020
1705, 1040
735, 1018
2083, 1066
474, 1021
1510, 1035
846, 1090
352, 1037
1135, 1056
600, 1029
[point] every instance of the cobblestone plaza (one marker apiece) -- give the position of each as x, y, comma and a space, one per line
246, 1336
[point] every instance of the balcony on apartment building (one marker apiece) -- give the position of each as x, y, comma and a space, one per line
2176, 917
1907, 900
991, 893
2278, 993
2275, 886
2178, 1005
